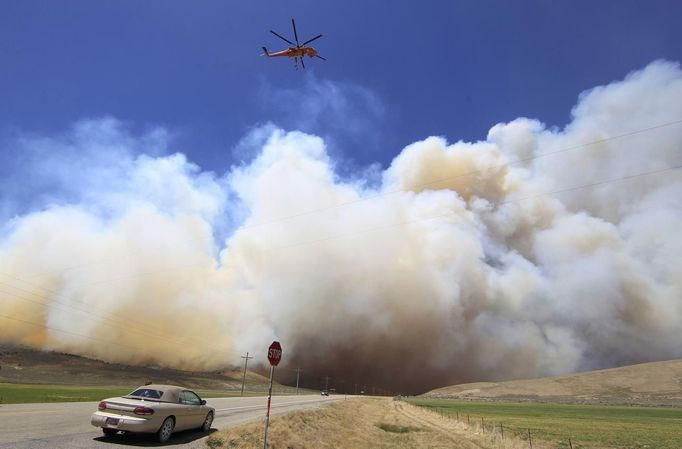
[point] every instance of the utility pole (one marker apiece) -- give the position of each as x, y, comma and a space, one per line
326, 384
246, 361
298, 372
356, 389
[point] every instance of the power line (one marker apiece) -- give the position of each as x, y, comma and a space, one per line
393, 225
67, 332
100, 281
595, 184
246, 360
460, 175
298, 374
126, 323
116, 343
424, 184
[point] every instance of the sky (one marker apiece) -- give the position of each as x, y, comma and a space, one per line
469, 190
400, 71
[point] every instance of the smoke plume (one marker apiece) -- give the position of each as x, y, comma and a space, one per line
535, 252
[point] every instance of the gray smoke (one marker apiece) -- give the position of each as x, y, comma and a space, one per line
469, 261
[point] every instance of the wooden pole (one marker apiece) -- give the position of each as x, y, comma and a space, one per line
267, 413
246, 361
530, 440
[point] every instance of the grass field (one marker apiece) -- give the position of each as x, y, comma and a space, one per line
356, 423
23, 393
587, 426
26, 393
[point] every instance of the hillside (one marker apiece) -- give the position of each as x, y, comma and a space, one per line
24, 365
656, 383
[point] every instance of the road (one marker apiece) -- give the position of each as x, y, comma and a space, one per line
66, 425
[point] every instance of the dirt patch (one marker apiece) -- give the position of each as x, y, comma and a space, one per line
362, 424
397, 429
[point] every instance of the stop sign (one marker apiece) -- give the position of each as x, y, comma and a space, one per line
275, 353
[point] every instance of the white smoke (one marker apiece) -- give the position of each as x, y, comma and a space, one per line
534, 252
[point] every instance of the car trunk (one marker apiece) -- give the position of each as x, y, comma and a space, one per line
125, 406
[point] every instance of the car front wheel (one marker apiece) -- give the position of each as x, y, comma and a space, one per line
165, 430
207, 422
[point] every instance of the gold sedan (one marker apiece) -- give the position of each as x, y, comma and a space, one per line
159, 409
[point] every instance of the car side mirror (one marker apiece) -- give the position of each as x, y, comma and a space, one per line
203, 402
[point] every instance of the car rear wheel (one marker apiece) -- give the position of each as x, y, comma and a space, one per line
109, 432
165, 430
207, 422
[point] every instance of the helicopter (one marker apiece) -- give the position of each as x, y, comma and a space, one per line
297, 51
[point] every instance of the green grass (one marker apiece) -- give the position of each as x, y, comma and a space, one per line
24, 393
28, 393
587, 426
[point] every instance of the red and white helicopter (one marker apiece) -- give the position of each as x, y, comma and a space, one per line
297, 51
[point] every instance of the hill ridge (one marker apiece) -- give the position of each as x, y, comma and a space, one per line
652, 383
24, 365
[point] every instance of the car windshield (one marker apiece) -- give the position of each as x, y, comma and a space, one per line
147, 393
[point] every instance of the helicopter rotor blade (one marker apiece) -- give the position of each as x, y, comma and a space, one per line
295, 33
318, 56
310, 40
283, 38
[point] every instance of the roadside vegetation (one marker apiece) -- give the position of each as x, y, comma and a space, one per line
587, 426
23, 393
31, 393
361, 423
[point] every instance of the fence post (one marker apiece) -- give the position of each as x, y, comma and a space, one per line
458, 416
502, 430
468, 420
569, 442
530, 440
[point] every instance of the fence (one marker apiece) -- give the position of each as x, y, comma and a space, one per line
495, 430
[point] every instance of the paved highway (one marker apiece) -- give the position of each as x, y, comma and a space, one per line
66, 425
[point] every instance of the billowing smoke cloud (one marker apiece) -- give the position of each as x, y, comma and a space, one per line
529, 253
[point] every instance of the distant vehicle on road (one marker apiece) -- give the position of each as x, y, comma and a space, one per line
159, 409
324, 393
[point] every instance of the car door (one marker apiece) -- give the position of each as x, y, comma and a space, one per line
191, 404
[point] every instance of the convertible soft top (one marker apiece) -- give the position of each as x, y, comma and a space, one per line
166, 393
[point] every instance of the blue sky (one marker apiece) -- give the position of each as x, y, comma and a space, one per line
397, 72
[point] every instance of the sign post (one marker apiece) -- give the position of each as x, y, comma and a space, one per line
274, 356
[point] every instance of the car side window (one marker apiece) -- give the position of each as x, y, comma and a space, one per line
189, 398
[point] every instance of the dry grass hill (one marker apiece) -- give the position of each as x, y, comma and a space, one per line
30, 366
654, 384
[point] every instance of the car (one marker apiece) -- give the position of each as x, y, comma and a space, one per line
157, 409
324, 393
